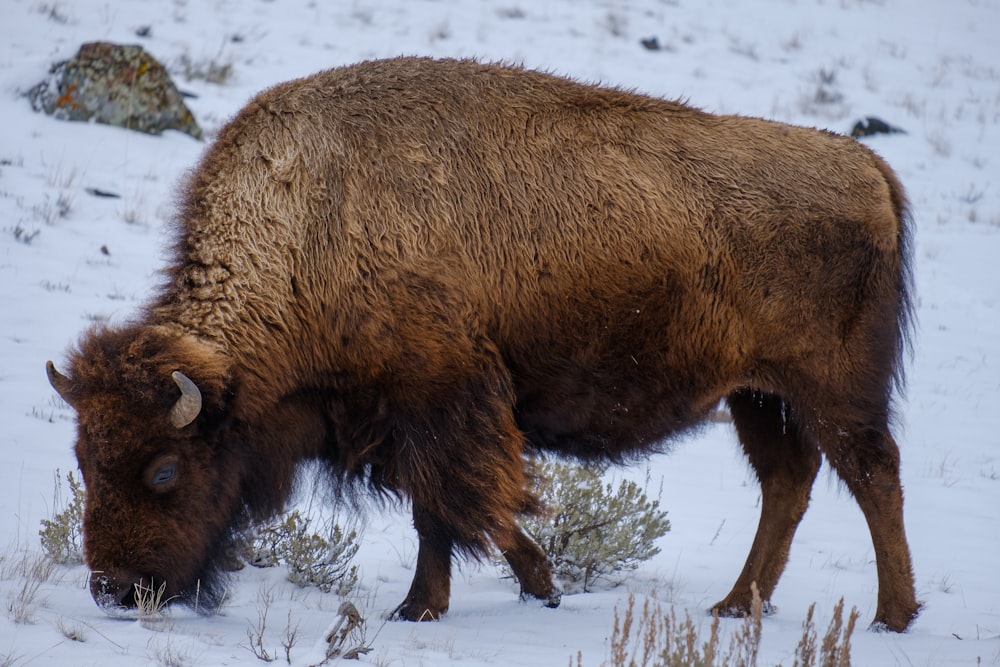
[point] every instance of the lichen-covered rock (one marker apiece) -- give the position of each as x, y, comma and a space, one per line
115, 84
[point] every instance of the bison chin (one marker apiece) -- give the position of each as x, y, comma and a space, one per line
128, 595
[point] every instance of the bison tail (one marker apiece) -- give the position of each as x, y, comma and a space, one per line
906, 308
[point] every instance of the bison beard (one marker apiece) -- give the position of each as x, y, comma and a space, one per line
417, 272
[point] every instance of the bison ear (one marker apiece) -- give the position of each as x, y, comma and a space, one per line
188, 406
62, 384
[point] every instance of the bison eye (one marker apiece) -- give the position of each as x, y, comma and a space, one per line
162, 473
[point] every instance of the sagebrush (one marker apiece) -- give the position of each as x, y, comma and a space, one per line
313, 559
591, 530
62, 535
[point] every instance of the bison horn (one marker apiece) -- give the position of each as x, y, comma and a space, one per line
59, 382
188, 406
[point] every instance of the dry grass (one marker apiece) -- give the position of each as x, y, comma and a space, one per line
70, 632
212, 70
255, 633
168, 654
32, 570
939, 143
151, 606
651, 637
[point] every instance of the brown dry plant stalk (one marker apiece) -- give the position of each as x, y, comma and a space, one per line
652, 637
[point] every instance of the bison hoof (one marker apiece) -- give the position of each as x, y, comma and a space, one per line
414, 611
727, 609
896, 622
549, 600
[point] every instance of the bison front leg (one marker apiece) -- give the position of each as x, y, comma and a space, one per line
463, 467
786, 463
431, 587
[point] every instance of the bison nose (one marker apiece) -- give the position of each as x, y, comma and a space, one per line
114, 592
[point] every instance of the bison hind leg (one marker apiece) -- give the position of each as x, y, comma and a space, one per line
531, 568
866, 459
786, 463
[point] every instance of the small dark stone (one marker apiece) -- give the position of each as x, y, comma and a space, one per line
650, 43
102, 193
114, 84
866, 127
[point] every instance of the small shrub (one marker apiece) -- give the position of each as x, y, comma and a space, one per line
940, 143
289, 637
312, 559
22, 235
255, 633
62, 535
50, 212
825, 99
591, 530
206, 69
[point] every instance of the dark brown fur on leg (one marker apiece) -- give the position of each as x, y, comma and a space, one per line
468, 488
431, 587
531, 567
786, 464
867, 460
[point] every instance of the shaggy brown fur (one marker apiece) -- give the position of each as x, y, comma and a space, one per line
417, 271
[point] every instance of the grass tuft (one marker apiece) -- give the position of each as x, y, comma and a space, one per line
151, 606
33, 570
651, 637
211, 70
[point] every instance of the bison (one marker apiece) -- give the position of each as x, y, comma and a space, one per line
420, 272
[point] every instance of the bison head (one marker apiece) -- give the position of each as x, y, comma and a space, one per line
163, 489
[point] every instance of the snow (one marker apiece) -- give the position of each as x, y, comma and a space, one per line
927, 66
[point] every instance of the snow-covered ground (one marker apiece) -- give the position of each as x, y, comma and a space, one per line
68, 259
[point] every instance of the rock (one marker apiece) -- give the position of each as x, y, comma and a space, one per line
866, 127
114, 84
103, 194
650, 43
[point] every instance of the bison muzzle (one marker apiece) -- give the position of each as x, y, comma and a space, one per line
419, 272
